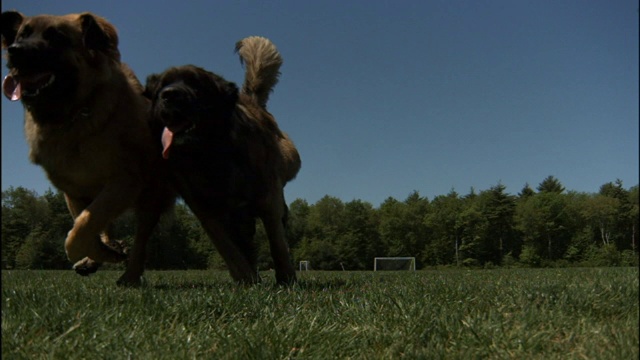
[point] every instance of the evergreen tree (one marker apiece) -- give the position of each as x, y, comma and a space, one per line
551, 185
526, 192
392, 227
57, 225
23, 211
402, 228
499, 210
622, 224
326, 219
545, 224
360, 242
325, 225
601, 212
416, 209
297, 222
445, 226
474, 249
634, 216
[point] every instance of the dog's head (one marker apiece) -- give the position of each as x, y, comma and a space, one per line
49, 57
188, 98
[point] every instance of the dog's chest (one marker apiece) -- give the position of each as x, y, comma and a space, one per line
214, 175
71, 161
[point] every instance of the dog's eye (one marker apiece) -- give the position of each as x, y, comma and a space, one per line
24, 33
57, 37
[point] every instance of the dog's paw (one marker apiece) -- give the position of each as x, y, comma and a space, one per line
116, 251
86, 267
131, 281
286, 279
118, 246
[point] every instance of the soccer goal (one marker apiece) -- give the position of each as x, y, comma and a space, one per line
304, 265
394, 263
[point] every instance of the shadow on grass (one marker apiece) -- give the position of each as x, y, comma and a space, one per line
324, 284
304, 285
191, 285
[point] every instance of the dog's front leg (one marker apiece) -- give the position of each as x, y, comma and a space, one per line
86, 266
83, 240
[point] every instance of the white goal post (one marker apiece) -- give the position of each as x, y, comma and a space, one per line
304, 265
394, 263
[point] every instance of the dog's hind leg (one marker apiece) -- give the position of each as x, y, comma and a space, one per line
146, 222
154, 201
274, 219
240, 267
241, 225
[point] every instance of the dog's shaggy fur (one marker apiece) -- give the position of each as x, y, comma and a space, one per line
86, 123
229, 159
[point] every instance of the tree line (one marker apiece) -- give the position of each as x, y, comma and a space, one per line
548, 226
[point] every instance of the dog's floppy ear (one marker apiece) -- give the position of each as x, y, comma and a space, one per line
230, 92
151, 86
11, 21
100, 35
228, 99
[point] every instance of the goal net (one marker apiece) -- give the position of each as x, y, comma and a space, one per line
394, 263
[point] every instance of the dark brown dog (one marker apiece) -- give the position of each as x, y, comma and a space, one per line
229, 159
86, 123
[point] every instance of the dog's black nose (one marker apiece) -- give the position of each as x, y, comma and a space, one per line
15, 49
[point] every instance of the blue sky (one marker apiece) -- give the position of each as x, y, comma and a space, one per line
386, 97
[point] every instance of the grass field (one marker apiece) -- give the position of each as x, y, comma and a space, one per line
585, 313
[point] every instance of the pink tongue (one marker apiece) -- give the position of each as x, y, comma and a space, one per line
167, 138
11, 88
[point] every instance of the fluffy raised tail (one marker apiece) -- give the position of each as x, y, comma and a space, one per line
262, 63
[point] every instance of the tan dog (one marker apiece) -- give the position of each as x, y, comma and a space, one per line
86, 123
229, 159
